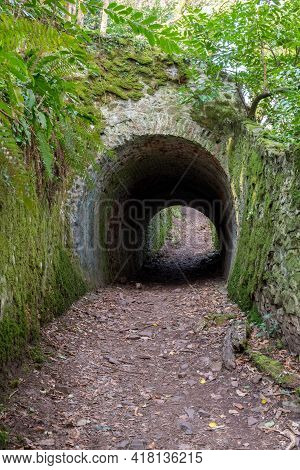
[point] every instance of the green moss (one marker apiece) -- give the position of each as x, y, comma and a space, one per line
215, 237
38, 276
219, 116
3, 440
254, 316
159, 229
14, 383
142, 59
256, 227
37, 354
274, 369
124, 72
218, 319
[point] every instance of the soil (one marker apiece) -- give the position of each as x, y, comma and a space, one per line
130, 367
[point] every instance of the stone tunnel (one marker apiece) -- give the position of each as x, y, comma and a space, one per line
150, 173
158, 154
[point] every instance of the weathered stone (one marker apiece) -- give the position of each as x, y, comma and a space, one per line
159, 136
235, 341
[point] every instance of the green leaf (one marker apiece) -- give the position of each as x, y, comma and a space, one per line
46, 153
41, 118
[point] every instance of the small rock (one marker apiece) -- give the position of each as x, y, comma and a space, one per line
292, 406
182, 374
216, 366
147, 333
123, 444
252, 420
192, 382
269, 424
62, 389
144, 356
133, 337
46, 443
186, 427
138, 285
111, 360
190, 412
256, 378
203, 413
102, 427
137, 444
82, 422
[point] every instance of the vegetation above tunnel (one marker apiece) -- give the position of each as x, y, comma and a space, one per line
54, 66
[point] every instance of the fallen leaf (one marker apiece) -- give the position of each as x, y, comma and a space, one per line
239, 406
202, 380
213, 425
269, 424
151, 445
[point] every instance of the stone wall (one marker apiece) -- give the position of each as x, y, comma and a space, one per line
38, 274
256, 178
266, 274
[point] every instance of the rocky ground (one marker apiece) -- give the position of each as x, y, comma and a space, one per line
132, 366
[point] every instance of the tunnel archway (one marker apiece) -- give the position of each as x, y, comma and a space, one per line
182, 247
145, 175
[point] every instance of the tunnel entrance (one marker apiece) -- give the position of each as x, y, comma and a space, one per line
182, 245
144, 176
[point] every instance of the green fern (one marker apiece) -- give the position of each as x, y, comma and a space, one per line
40, 97
46, 152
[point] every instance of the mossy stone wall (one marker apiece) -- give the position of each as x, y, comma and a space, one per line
38, 276
159, 230
265, 276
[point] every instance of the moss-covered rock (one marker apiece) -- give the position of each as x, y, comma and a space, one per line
274, 369
128, 73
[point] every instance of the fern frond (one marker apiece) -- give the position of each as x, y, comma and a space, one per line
24, 35
46, 152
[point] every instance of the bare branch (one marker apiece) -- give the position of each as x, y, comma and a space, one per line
261, 96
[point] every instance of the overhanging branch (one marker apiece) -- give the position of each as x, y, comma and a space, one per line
261, 96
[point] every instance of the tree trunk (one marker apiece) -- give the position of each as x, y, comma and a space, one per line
80, 15
71, 7
104, 19
178, 10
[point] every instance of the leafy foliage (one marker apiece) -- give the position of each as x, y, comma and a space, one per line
157, 34
42, 100
46, 55
256, 45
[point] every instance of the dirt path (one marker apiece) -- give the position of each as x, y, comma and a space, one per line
127, 367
